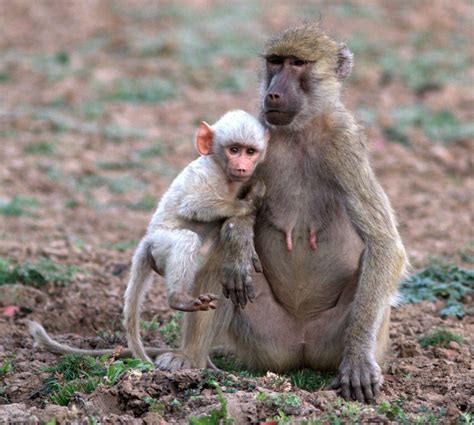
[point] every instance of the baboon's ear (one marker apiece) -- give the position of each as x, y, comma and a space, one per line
205, 139
344, 62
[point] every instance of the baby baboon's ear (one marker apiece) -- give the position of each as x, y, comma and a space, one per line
344, 62
205, 139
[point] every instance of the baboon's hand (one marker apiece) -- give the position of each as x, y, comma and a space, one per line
359, 379
238, 260
237, 284
185, 302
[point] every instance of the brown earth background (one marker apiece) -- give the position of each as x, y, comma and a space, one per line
99, 102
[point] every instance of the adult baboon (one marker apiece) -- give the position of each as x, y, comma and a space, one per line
325, 234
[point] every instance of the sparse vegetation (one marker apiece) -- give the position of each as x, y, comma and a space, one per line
18, 206
310, 380
440, 281
36, 273
5, 367
288, 403
40, 148
218, 416
74, 373
440, 338
143, 91
439, 126
171, 330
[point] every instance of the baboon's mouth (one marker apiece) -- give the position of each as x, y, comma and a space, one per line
276, 117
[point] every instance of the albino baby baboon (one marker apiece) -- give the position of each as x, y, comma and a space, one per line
207, 191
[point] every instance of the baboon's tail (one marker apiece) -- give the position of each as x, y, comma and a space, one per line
42, 339
140, 280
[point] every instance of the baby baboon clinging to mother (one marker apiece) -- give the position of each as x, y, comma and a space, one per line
207, 191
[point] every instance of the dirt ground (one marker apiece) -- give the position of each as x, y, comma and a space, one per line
99, 102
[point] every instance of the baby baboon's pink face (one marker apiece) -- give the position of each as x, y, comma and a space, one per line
241, 161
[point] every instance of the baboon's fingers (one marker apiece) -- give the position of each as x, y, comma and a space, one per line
232, 293
238, 291
208, 297
225, 290
367, 388
249, 289
257, 265
356, 389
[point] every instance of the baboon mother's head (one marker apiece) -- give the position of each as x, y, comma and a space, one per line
302, 74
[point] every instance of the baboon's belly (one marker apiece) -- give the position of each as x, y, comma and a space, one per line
305, 281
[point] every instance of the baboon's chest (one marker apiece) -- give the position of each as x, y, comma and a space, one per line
299, 192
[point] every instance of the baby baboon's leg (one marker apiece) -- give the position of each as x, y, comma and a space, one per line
200, 329
180, 273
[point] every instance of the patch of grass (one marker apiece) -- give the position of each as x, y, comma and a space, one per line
73, 366
6, 367
91, 110
227, 363
218, 416
146, 203
427, 69
118, 368
439, 338
288, 403
440, 281
37, 273
118, 165
150, 325
74, 373
125, 184
123, 246
439, 126
18, 206
171, 330
309, 379
143, 91
155, 406
5, 77
466, 418
151, 151
40, 148
395, 412
116, 133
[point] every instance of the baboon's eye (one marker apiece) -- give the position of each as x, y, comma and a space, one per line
234, 150
250, 151
298, 62
275, 60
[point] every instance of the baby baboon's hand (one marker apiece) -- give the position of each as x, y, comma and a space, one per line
185, 302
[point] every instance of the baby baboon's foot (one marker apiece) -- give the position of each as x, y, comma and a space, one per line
172, 362
185, 302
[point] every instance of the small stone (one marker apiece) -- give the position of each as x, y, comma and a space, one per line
453, 345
